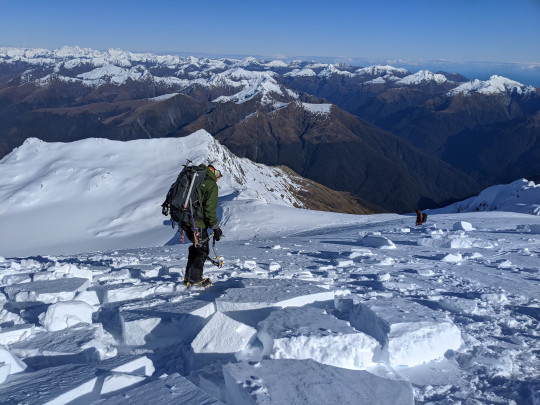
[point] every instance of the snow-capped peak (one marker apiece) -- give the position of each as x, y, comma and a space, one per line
494, 85
379, 70
251, 83
521, 196
422, 76
333, 70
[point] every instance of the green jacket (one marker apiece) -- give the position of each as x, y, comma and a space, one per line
208, 192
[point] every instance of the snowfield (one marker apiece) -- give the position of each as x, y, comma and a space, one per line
309, 307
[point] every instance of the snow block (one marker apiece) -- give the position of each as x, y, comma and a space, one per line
376, 240
311, 333
411, 334
171, 390
90, 297
15, 365
211, 380
15, 334
222, 334
64, 314
119, 382
463, 226
125, 292
56, 385
4, 371
47, 291
79, 344
136, 365
135, 327
272, 293
184, 319
306, 382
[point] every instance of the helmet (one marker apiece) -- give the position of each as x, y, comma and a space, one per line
215, 164
218, 168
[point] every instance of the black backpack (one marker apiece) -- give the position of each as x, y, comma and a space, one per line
184, 195
424, 217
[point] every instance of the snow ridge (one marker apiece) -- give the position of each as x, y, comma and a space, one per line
519, 196
104, 173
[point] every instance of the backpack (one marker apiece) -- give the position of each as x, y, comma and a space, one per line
424, 217
184, 195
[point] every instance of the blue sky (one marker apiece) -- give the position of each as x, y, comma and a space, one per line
496, 34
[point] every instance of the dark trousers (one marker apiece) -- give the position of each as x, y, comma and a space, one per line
197, 255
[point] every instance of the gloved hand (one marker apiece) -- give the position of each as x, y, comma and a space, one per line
165, 209
217, 234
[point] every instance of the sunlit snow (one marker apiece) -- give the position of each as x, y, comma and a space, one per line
309, 307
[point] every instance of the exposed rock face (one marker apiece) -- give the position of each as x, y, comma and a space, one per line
468, 126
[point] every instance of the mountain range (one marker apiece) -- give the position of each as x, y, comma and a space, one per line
395, 140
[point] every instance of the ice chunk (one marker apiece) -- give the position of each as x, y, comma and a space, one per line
15, 334
15, 278
452, 258
56, 385
90, 297
410, 333
272, 293
310, 333
119, 382
463, 226
223, 334
47, 291
171, 390
70, 270
306, 382
135, 327
184, 320
4, 371
459, 305
376, 240
6, 357
274, 266
211, 380
78, 344
128, 364
64, 314
126, 291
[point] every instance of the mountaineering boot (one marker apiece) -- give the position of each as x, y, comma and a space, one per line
205, 282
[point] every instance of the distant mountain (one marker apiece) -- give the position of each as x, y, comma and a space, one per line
276, 113
468, 124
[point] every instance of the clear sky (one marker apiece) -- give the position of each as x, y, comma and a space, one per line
410, 31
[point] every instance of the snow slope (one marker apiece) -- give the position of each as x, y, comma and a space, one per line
309, 307
446, 316
98, 194
520, 196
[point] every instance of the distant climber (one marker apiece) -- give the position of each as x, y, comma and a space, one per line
192, 202
420, 217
